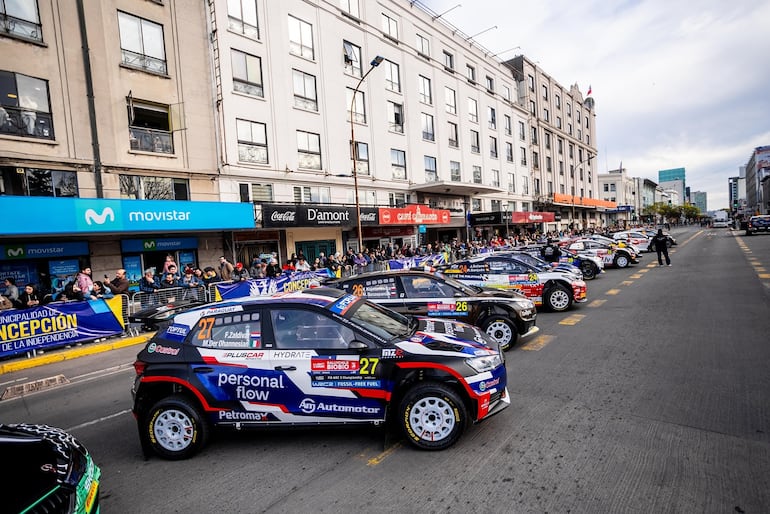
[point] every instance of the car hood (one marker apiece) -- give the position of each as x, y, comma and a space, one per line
491, 292
450, 338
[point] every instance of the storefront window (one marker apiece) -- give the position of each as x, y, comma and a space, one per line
38, 182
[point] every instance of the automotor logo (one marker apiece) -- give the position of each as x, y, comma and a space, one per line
91, 216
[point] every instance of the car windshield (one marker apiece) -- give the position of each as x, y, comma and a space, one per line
536, 263
465, 288
382, 322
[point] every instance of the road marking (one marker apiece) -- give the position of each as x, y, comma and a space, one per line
644, 270
12, 381
636, 275
613, 291
382, 456
764, 275
625, 283
572, 320
759, 268
537, 343
651, 265
597, 303
95, 421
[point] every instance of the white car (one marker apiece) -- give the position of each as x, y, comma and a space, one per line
721, 224
634, 237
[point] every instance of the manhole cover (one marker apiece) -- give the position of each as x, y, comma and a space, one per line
34, 386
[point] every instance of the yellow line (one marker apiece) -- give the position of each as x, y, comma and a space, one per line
613, 291
759, 268
74, 353
636, 275
764, 275
537, 343
644, 270
597, 303
625, 283
381, 457
651, 265
572, 320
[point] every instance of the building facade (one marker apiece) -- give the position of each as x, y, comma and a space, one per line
758, 181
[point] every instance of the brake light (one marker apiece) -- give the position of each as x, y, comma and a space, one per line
139, 367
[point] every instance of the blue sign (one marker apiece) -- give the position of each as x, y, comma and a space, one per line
45, 215
158, 245
10, 251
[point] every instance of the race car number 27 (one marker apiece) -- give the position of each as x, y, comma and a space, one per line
368, 365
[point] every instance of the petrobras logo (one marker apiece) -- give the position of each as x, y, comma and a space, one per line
91, 216
14, 252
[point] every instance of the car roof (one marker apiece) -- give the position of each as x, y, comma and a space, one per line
381, 274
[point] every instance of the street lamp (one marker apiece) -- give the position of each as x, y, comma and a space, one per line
375, 62
505, 213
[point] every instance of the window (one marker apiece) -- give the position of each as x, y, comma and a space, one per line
423, 45
449, 61
531, 82
557, 101
477, 174
136, 187
430, 169
493, 147
522, 131
496, 178
358, 114
523, 156
492, 117
470, 72
360, 152
546, 115
424, 89
389, 26
427, 127
149, 129
569, 110
301, 38
507, 124
545, 92
351, 56
450, 97
141, 43
511, 185
525, 186
350, 7
561, 167
307, 194
21, 19
252, 141
261, 192
38, 182
490, 84
558, 122
475, 145
569, 128
548, 164
453, 137
577, 117
242, 17
308, 150
305, 94
396, 117
473, 110
392, 77
535, 160
532, 107
534, 135
509, 152
560, 145
547, 136
397, 199
231, 332
506, 93
454, 171
25, 109
537, 186
476, 204
398, 164
247, 73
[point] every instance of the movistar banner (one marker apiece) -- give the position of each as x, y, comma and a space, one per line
158, 244
44, 215
267, 286
59, 324
11, 251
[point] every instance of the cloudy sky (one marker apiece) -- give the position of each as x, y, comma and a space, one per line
676, 83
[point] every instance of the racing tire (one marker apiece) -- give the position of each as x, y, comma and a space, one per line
175, 429
501, 330
558, 298
432, 416
589, 270
621, 261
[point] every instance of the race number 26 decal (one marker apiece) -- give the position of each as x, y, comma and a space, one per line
461, 307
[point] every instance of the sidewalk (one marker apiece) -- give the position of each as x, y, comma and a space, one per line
63, 354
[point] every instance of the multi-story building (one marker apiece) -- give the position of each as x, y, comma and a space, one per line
105, 115
617, 187
758, 181
700, 200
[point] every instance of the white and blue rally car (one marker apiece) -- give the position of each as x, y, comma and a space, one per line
310, 358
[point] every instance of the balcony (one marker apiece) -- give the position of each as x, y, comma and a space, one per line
22, 122
151, 140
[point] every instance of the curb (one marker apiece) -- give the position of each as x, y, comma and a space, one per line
74, 353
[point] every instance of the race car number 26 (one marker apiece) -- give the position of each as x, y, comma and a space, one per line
461, 307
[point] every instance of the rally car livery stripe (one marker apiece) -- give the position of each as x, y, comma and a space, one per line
460, 378
213, 360
280, 406
186, 384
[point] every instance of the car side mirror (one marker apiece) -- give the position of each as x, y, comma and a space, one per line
357, 345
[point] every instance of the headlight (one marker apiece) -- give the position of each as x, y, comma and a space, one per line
525, 303
484, 363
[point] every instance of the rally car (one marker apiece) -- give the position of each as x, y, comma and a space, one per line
612, 254
507, 316
553, 289
45, 469
589, 266
314, 357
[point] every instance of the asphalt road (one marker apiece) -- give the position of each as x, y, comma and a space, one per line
652, 397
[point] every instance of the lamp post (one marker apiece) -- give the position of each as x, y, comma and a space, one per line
505, 213
375, 62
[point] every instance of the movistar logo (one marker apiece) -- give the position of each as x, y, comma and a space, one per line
100, 219
149, 244
14, 252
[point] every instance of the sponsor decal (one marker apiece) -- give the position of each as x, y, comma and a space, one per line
309, 406
165, 350
220, 310
484, 385
334, 365
14, 252
151, 216
100, 219
229, 415
243, 355
343, 304
149, 244
292, 354
283, 217
392, 353
251, 387
352, 382
177, 330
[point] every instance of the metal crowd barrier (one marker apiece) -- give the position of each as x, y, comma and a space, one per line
142, 300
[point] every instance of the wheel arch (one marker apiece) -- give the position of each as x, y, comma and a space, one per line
405, 379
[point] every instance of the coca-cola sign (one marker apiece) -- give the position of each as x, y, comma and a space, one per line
315, 215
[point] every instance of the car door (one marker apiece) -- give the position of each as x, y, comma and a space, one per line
327, 380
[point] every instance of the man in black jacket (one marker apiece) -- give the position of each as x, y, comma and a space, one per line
660, 244
119, 284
